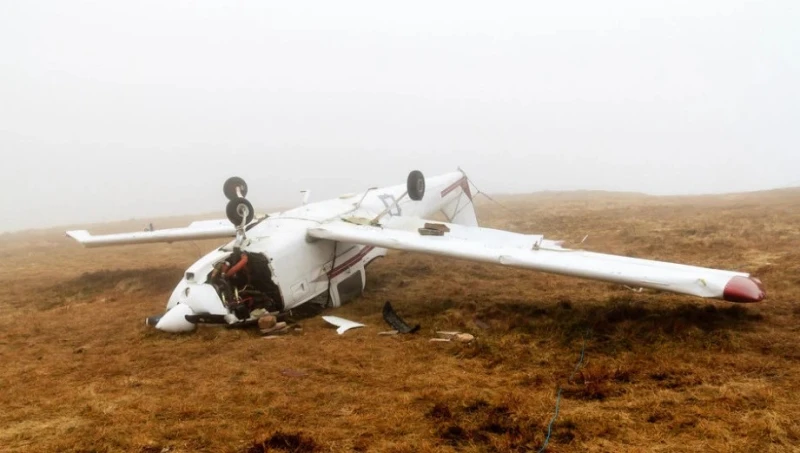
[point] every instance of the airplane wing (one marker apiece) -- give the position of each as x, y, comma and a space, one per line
204, 229
534, 252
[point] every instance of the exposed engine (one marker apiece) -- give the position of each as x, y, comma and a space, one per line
244, 283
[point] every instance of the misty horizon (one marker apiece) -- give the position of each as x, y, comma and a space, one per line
118, 111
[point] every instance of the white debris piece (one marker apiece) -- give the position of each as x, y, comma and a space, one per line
447, 335
343, 324
454, 336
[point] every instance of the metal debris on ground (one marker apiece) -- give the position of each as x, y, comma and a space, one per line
343, 324
464, 337
448, 335
393, 319
270, 326
277, 329
458, 337
267, 322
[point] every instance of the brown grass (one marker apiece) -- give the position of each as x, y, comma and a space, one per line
81, 372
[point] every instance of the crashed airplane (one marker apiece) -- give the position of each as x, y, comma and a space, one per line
318, 252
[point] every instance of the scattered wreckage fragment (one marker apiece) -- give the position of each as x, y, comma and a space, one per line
343, 324
433, 229
393, 319
269, 325
458, 337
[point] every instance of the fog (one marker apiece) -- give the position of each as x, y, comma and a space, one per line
116, 110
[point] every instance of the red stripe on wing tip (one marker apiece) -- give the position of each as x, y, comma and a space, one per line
744, 289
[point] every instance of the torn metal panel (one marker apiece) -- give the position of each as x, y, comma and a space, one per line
394, 320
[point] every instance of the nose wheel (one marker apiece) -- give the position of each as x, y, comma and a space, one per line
240, 212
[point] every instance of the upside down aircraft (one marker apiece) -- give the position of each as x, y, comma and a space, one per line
320, 251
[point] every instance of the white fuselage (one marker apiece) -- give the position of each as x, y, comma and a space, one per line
303, 268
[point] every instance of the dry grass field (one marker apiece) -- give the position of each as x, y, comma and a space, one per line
81, 371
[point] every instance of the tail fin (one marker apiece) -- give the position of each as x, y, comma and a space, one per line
461, 210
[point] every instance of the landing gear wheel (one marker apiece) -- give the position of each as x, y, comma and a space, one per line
240, 209
416, 185
230, 186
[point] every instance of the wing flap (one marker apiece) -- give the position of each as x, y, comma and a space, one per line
533, 252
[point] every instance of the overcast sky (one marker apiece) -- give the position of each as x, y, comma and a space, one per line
120, 109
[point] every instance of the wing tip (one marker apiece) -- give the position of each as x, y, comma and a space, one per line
744, 290
79, 235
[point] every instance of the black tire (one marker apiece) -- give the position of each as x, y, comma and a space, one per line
230, 186
416, 185
234, 208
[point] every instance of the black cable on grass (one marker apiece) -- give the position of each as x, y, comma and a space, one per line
558, 398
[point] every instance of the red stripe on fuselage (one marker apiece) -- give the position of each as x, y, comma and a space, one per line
351, 262
463, 183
